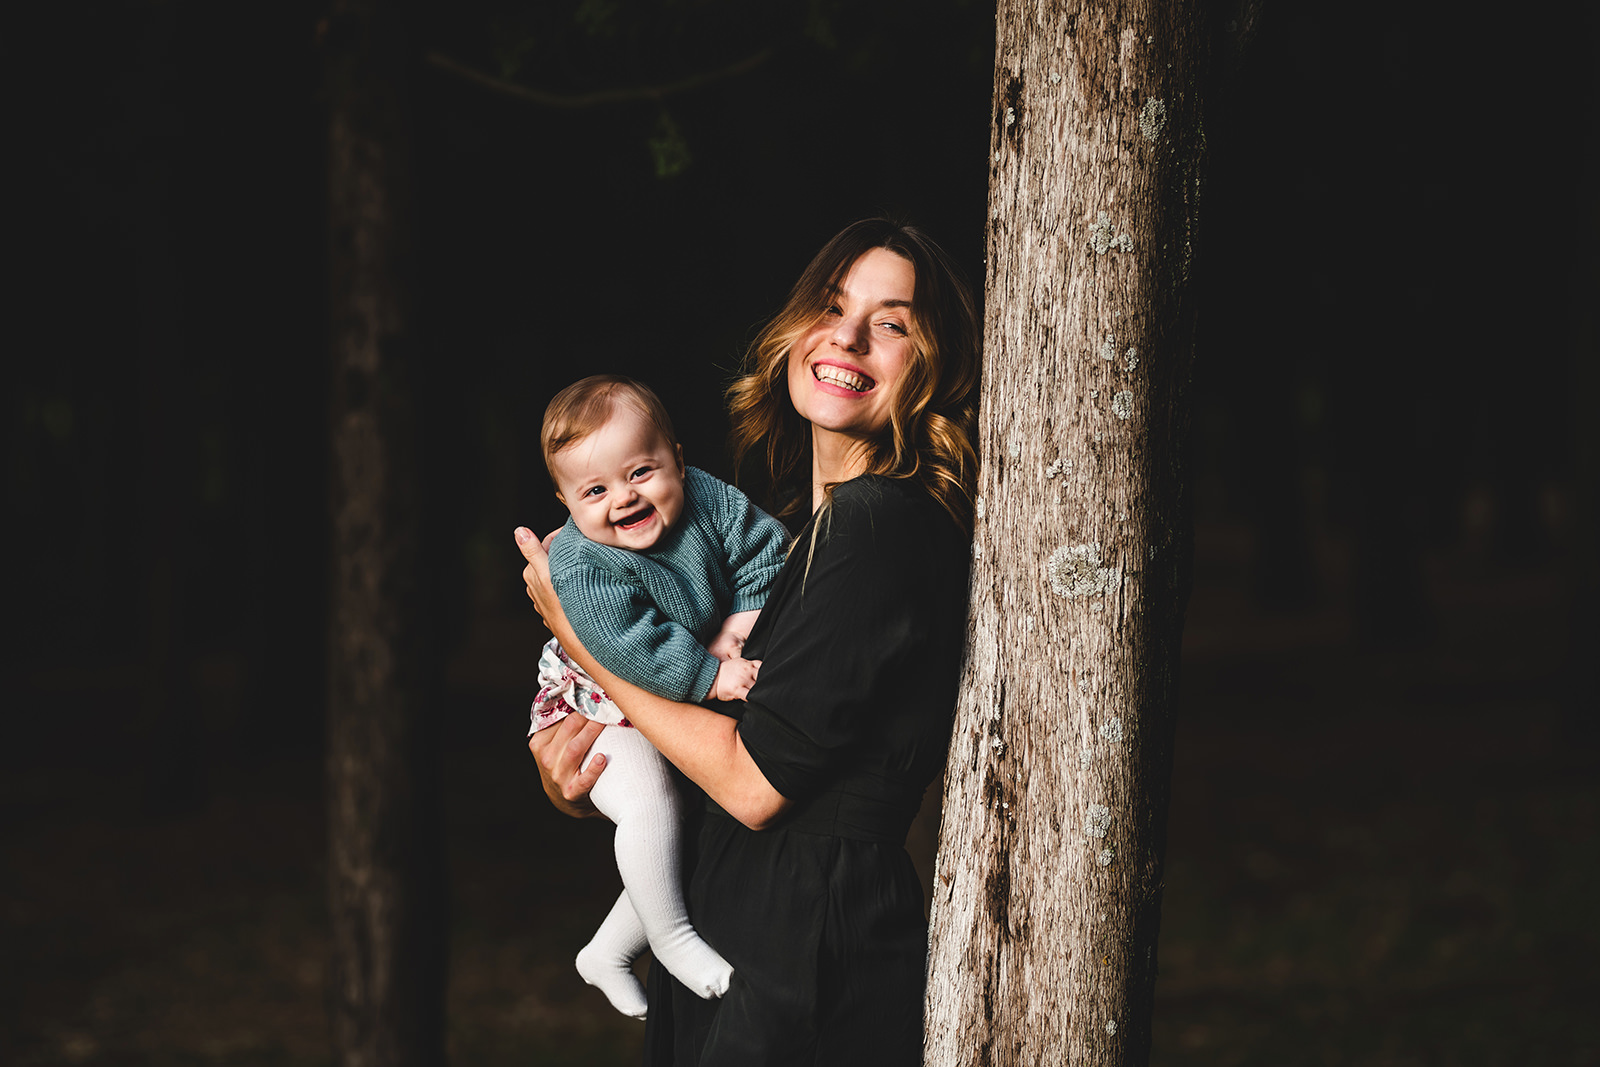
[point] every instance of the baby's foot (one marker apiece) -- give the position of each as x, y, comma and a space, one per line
700, 968
614, 977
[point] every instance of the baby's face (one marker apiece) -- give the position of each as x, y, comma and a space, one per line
623, 483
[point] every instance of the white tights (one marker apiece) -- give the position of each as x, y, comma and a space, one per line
636, 792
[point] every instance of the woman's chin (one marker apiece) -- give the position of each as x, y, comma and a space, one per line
852, 422
854, 414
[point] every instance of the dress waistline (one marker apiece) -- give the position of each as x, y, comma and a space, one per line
839, 812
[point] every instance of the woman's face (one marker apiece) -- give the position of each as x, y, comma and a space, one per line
844, 371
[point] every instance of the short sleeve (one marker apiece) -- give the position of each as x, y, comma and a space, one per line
860, 643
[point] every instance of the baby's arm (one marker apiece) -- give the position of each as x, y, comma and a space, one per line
735, 674
629, 634
753, 543
735, 631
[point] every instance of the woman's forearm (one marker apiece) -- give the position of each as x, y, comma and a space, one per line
701, 743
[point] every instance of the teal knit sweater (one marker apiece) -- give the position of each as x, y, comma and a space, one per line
647, 616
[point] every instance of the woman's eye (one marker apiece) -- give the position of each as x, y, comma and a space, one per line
832, 309
894, 327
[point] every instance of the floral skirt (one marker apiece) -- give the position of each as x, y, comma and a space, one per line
564, 687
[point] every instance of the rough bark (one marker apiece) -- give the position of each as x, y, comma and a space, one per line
385, 861
1048, 882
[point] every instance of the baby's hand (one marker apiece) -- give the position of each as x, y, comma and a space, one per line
729, 642
734, 678
726, 645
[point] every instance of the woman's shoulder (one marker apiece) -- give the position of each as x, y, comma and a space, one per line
898, 509
880, 496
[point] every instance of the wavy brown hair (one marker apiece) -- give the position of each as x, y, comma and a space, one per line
929, 438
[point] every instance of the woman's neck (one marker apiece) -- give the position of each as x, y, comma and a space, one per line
835, 458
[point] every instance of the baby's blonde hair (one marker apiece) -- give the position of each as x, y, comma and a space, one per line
584, 406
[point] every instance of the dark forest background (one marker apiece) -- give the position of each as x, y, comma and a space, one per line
1383, 835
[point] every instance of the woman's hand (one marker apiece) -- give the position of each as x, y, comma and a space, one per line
536, 576
559, 752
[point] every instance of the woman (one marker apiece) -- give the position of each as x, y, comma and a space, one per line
858, 398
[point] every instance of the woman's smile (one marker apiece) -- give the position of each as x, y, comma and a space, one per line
849, 379
843, 372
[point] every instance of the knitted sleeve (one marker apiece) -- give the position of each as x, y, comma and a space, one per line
753, 542
621, 626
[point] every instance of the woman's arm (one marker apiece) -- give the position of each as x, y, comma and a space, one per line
701, 743
615, 616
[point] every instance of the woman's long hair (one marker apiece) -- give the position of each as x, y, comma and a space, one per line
929, 438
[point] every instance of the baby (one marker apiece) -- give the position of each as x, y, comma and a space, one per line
654, 557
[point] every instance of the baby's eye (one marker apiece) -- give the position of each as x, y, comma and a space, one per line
594, 490
641, 472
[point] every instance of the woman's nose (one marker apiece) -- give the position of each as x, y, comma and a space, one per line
850, 334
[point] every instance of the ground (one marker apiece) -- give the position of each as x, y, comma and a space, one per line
1376, 857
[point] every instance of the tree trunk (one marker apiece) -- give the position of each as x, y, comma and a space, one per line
386, 988
1048, 882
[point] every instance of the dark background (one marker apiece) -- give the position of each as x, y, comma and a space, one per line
1383, 829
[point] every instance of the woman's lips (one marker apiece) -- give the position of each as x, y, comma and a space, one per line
841, 377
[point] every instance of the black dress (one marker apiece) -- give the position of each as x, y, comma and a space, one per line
821, 916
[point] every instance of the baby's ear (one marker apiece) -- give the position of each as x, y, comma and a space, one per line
561, 498
680, 460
